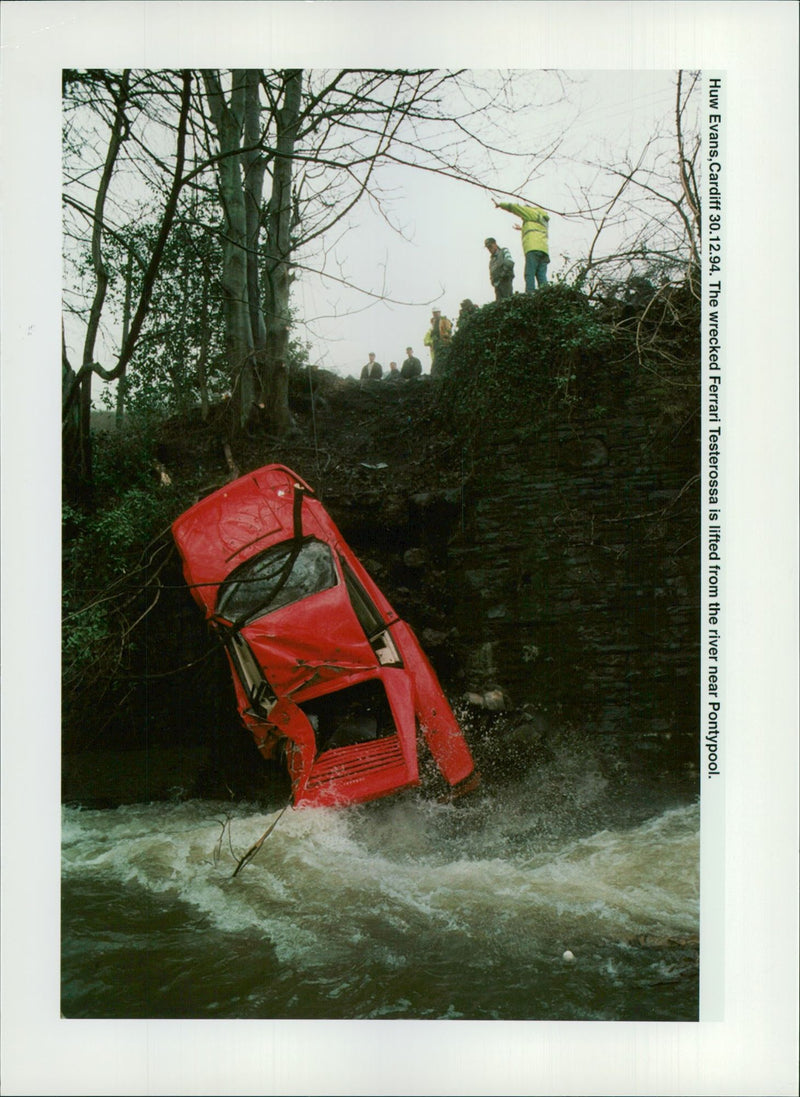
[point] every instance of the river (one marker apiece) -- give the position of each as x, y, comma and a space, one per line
522, 901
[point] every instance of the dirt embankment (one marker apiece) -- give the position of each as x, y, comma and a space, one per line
350, 437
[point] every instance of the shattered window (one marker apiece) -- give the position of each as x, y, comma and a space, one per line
276, 578
251, 676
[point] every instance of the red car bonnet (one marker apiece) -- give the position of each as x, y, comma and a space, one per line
239, 521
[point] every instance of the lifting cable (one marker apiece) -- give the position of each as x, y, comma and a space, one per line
256, 846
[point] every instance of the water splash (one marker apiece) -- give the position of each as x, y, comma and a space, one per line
409, 865
406, 907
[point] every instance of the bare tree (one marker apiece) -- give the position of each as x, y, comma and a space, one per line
648, 223
257, 321
78, 466
78, 457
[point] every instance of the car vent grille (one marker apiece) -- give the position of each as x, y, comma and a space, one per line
349, 764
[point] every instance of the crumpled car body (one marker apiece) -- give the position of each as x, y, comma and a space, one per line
324, 669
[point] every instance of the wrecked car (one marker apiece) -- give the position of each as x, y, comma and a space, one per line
325, 672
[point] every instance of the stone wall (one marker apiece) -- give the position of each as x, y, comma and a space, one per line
574, 572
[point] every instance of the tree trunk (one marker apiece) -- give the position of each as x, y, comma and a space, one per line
79, 482
254, 170
75, 487
180, 381
205, 337
229, 120
280, 222
126, 327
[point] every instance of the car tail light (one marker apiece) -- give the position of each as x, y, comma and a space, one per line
384, 647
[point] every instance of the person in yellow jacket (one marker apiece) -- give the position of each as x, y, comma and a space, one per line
438, 335
535, 223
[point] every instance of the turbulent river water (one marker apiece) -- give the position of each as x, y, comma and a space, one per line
404, 908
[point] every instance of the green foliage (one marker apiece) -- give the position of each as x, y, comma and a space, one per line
536, 349
122, 459
123, 527
298, 354
111, 561
183, 330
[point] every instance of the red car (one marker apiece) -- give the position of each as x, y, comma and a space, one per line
321, 662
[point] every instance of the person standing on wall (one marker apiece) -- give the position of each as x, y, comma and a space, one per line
412, 367
438, 335
535, 223
372, 371
501, 269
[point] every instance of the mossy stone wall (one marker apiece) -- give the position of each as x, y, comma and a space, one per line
575, 574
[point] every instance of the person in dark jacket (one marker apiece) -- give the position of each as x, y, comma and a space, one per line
501, 269
412, 367
372, 371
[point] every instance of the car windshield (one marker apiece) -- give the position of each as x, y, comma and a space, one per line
276, 578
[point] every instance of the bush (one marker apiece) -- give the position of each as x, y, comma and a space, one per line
542, 348
112, 557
